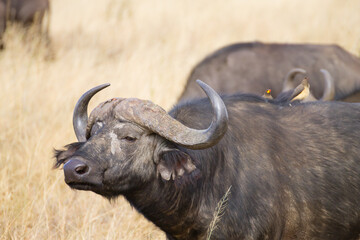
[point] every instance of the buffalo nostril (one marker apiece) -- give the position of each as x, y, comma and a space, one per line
81, 169
74, 169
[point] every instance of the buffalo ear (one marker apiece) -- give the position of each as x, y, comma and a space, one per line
62, 155
175, 164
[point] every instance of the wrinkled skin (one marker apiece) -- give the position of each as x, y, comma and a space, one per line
254, 67
26, 12
294, 171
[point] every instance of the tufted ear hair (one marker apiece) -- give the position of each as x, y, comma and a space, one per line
177, 165
62, 155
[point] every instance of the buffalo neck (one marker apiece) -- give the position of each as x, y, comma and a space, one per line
172, 208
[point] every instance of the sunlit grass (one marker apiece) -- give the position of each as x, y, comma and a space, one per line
145, 49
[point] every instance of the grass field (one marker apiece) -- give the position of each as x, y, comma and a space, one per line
145, 49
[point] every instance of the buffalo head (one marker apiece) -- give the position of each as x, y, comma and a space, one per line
127, 143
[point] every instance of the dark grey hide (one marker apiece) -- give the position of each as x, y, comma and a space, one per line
254, 67
294, 171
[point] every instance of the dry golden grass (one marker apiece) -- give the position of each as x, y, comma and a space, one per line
145, 49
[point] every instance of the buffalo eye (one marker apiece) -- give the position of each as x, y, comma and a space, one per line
95, 128
129, 139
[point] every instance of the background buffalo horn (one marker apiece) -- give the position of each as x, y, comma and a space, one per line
329, 92
156, 119
288, 82
80, 116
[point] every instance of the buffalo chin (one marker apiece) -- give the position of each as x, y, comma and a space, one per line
83, 186
96, 188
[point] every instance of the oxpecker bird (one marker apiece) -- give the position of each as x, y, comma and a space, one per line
267, 94
302, 91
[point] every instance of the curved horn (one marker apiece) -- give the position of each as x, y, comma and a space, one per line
153, 117
288, 82
329, 92
219, 124
80, 116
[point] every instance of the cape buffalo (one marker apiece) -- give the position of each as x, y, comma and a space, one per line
293, 171
26, 12
254, 67
2, 23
